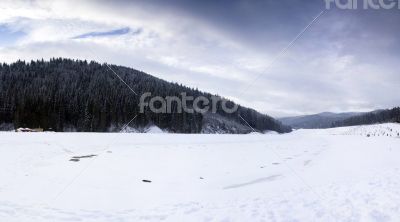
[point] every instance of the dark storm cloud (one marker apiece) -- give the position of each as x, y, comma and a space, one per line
270, 24
258, 23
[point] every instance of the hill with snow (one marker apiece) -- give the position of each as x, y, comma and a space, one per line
316, 121
66, 95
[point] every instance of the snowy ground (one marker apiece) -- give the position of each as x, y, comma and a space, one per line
308, 175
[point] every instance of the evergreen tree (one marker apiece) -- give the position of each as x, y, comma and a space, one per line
62, 93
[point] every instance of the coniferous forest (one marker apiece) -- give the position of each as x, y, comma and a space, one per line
65, 94
380, 116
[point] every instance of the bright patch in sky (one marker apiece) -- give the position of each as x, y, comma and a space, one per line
9, 37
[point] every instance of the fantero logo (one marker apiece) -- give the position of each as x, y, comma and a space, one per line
362, 4
184, 103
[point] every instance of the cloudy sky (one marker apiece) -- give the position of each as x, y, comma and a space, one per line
346, 60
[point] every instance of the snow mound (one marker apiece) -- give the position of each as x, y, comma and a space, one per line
255, 133
269, 132
154, 129
130, 129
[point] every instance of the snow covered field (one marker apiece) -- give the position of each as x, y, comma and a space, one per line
308, 175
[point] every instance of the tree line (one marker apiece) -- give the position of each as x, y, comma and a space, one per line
381, 116
64, 94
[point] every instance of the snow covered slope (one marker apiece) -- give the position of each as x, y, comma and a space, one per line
387, 129
308, 175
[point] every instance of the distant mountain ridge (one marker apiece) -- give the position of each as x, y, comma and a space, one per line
316, 121
330, 120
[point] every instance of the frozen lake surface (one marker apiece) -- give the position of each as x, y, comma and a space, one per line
342, 174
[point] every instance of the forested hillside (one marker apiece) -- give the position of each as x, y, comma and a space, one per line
381, 116
316, 121
65, 95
